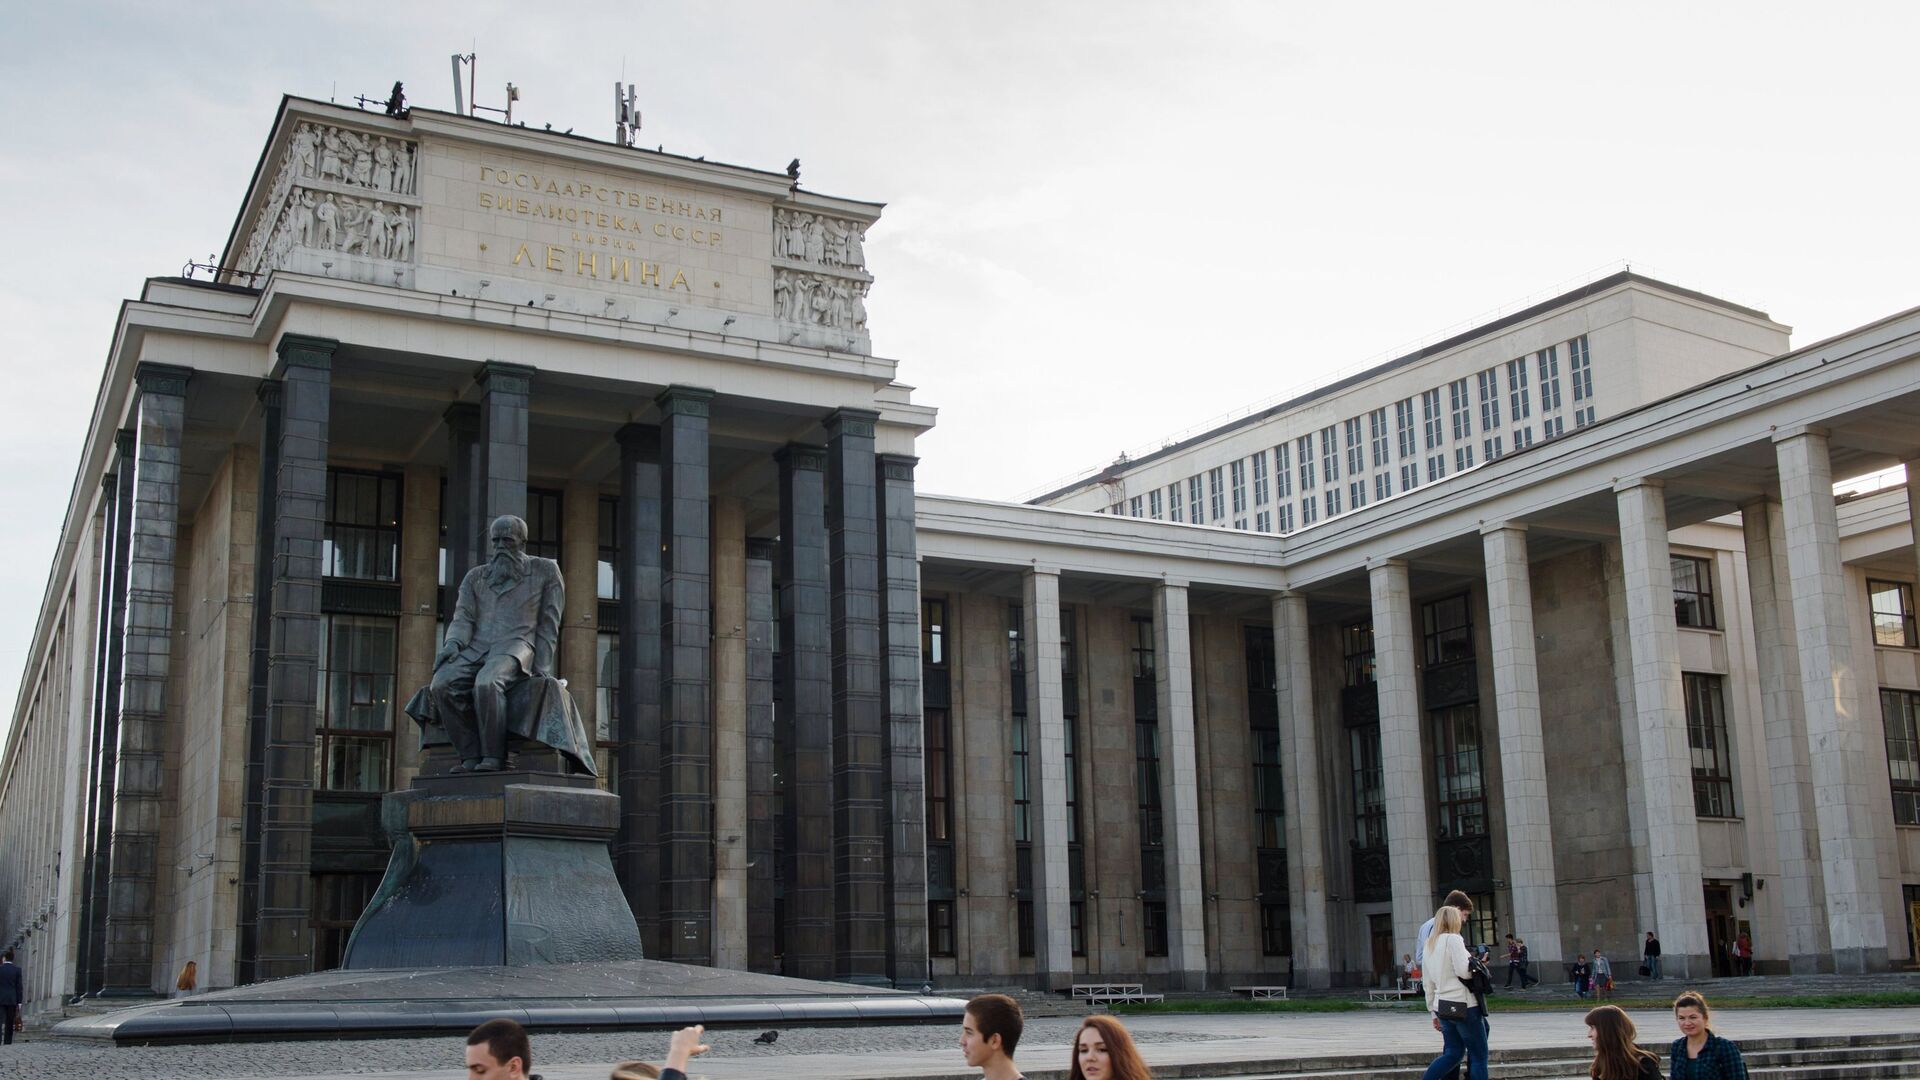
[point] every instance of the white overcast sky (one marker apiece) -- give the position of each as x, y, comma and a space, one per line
1107, 222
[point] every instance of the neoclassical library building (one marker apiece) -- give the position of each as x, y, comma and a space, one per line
1602, 612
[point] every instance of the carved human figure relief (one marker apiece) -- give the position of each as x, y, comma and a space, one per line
856, 245
779, 233
362, 163
331, 150
859, 305
326, 215
840, 312
836, 249
305, 143
304, 224
376, 225
816, 240
383, 164
403, 170
783, 295
796, 236
401, 235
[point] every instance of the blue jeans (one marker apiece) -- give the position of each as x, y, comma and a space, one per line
1653, 967
1466, 1038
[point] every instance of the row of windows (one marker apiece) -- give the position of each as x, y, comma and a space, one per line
1368, 442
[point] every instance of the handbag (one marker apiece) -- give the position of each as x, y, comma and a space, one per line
1646, 971
1448, 1009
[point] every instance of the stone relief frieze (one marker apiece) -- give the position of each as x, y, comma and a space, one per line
818, 239
340, 155
300, 214
820, 300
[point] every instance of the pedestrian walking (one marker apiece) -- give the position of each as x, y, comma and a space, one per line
1615, 1053
989, 1032
13, 994
1650, 957
1103, 1050
1699, 1054
1580, 973
1602, 975
1450, 1000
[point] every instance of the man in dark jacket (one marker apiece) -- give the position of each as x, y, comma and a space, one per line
13, 994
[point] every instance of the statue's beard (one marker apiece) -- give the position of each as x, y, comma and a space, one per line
506, 566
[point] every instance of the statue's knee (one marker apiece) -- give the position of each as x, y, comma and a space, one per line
499, 676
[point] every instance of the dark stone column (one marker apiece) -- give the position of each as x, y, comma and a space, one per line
503, 439
146, 659
686, 714
466, 500
636, 851
805, 642
859, 829
906, 806
248, 945
293, 662
109, 662
763, 799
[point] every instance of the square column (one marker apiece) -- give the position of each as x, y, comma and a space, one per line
1402, 765
686, 721
859, 831
466, 498
1523, 748
1837, 736
1053, 912
580, 622
903, 749
763, 797
1660, 730
805, 642
506, 389
1306, 829
285, 934
1777, 652
636, 848
729, 733
113, 604
146, 658
1179, 787
254, 777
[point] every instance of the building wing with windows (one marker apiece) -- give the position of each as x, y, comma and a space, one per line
1635, 666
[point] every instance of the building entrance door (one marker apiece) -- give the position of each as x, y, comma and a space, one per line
1720, 929
1381, 929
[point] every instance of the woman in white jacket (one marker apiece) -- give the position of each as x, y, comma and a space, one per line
1444, 972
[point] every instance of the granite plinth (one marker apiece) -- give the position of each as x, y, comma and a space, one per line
486, 871
625, 995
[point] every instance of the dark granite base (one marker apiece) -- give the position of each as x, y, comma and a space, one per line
629, 995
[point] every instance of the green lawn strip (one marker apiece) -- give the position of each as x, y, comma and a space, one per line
1892, 999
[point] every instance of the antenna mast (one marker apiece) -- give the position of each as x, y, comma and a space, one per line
626, 115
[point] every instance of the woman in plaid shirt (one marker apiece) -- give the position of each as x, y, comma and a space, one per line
1699, 1054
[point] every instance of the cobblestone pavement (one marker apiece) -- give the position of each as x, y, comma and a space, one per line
881, 1051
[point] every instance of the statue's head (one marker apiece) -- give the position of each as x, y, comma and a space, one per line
508, 535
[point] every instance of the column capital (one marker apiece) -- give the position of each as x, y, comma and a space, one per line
1171, 583
125, 441
1798, 431
506, 378
1624, 484
642, 439
803, 456
162, 379
897, 466
1375, 566
855, 422
1489, 527
301, 350
685, 401
462, 416
268, 393
1038, 570
761, 548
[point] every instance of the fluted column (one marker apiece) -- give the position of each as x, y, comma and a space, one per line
159, 426
686, 698
636, 850
1046, 717
1179, 787
1306, 828
1402, 765
1837, 735
1777, 653
1664, 761
1523, 749
805, 637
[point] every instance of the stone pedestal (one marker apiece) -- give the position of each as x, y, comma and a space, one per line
506, 868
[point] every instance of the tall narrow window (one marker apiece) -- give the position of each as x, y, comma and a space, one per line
1489, 381
1196, 511
1404, 427
937, 765
606, 565
1446, 631
1548, 360
1432, 422
1356, 640
1269, 789
1070, 715
1693, 592
1173, 502
1282, 472
1707, 739
1261, 488
1216, 498
1369, 787
1460, 402
1333, 500
361, 537
1153, 504
1436, 468
1580, 372
1900, 712
354, 726
543, 523
1305, 446
1892, 603
1022, 766
1133, 507
1329, 454
1356, 453
1238, 470
1377, 437
1146, 757
1357, 493
1521, 405
1457, 772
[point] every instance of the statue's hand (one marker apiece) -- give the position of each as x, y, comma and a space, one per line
448, 650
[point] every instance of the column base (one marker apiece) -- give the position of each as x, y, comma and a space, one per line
1859, 961
1312, 978
486, 873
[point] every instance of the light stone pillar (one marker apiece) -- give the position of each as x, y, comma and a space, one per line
1913, 505
1179, 788
1776, 649
1830, 695
419, 608
1300, 756
579, 565
1046, 719
729, 733
1402, 768
1523, 749
1665, 762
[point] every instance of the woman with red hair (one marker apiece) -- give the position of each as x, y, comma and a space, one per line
1102, 1050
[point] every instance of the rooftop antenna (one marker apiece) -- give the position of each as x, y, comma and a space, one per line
459, 99
626, 115
471, 106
